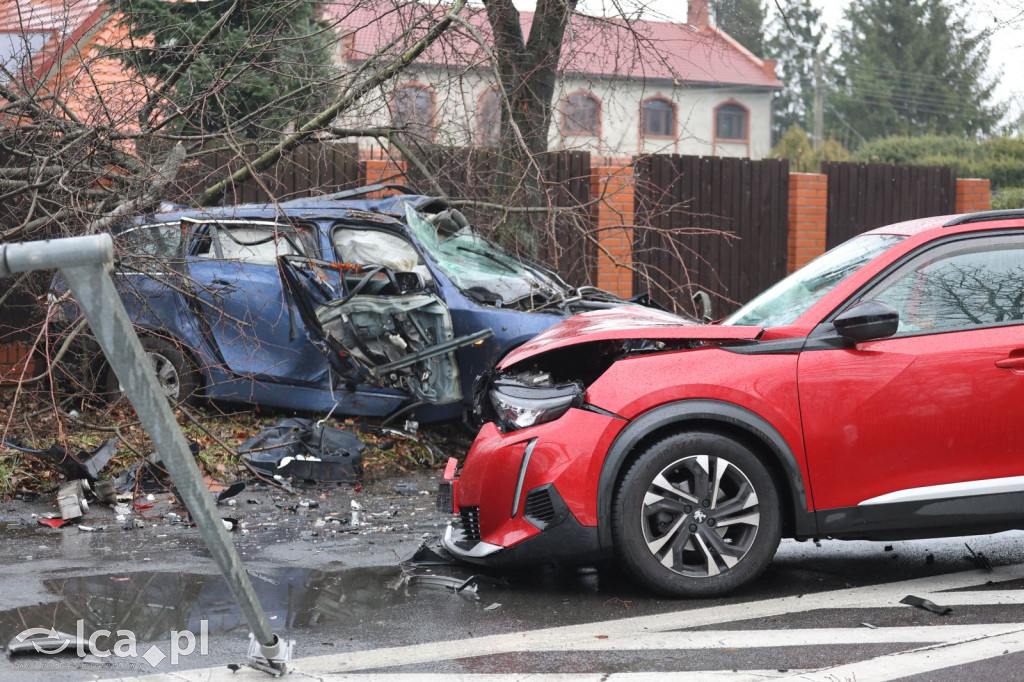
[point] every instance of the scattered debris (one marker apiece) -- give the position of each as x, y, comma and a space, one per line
357, 514
444, 581
492, 607
71, 499
888, 548
230, 491
911, 600
979, 559
83, 465
230, 523
870, 626
105, 491
425, 556
90, 529
929, 558
305, 450
53, 523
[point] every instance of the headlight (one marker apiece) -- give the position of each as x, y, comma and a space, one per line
528, 400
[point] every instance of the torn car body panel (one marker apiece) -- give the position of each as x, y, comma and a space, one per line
216, 282
625, 323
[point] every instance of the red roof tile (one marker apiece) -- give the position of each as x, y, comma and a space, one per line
652, 50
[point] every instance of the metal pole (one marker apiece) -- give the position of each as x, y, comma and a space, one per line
84, 261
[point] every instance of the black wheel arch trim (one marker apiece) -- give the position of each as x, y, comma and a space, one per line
804, 523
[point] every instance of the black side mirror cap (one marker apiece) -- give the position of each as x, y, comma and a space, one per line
867, 321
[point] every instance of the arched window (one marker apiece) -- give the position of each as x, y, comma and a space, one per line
731, 122
658, 118
414, 108
489, 117
581, 114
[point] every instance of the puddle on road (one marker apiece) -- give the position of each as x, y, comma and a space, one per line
153, 604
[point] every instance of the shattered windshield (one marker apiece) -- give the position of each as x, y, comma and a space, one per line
479, 267
790, 298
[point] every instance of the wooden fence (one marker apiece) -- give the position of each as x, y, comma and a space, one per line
717, 224
862, 197
311, 169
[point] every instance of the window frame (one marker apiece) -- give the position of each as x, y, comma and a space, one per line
732, 103
564, 118
673, 121
907, 261
481, 128
416, 127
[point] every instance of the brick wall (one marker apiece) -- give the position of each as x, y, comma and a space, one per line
614, 185
13, 359
808, 217
973, 194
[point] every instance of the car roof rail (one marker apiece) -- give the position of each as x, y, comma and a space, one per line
985, 216
368, 189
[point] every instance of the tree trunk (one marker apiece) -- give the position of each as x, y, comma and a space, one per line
528, 70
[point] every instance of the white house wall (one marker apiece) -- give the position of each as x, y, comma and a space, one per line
457, 97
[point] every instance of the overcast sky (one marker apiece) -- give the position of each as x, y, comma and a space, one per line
1005, 17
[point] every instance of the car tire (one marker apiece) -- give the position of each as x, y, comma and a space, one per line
682, 535
174, 370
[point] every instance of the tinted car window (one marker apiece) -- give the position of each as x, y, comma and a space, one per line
968, 284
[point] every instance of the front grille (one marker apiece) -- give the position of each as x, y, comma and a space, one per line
470, 524
539, 509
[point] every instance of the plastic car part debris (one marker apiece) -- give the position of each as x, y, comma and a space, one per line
90, 529
83, 465
426, 556
42, 641
270, 659
979, 559
305, 450
53, 523
230, 491
456, 584
105, 491
230, 523
71, 499
911, 600
492, 607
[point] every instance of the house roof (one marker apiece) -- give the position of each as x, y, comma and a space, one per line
611, 47
39, 31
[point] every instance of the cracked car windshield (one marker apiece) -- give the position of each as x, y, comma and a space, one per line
783, 303
479, 267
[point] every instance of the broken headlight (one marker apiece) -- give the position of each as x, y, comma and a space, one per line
530, 399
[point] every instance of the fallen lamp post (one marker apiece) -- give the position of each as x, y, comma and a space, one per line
84, 263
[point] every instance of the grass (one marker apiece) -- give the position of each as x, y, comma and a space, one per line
33, 418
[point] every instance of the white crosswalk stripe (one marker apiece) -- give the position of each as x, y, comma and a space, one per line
928, 648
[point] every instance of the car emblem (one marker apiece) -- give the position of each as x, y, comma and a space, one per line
699, 515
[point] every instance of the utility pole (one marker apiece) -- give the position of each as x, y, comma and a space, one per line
819, 104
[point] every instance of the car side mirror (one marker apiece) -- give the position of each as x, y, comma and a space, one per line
409, 282
867, 321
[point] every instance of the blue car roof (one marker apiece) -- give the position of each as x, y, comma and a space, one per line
306, 207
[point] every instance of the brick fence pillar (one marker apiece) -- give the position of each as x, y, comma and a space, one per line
808, 217
16, 362
614, 185
973, 194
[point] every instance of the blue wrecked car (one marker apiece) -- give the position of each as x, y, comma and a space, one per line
363, 306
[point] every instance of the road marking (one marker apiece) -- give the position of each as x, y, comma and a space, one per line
675, 627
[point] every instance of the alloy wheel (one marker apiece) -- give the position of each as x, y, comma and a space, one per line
700, 516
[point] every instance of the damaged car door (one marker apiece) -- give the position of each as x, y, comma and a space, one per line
236, 285
385, 320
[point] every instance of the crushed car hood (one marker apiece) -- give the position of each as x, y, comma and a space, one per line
624, 323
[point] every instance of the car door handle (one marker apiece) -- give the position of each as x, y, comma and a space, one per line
1013, 362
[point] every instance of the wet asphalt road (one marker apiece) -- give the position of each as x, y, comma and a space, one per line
337, 588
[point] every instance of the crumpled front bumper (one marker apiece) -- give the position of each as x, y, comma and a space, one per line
529, 497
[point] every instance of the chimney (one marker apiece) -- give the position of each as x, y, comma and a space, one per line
769, 68
697, 15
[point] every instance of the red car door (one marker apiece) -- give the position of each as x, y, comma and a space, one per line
933, 412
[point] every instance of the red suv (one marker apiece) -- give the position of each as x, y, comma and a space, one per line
873, 394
